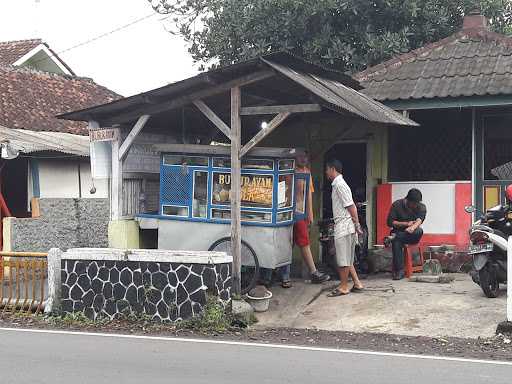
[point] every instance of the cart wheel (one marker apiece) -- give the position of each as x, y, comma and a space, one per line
250, 263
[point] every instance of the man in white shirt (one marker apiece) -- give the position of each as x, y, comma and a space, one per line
346, 229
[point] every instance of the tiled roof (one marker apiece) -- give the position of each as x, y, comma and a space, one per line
31, 99
12, 51
472, 62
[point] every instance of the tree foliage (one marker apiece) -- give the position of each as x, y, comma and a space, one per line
347, 34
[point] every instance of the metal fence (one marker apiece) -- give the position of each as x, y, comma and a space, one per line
24, 281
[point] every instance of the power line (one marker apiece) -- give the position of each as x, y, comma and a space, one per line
98, 37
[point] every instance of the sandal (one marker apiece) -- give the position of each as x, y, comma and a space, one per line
336, 292
356, 289
286, 284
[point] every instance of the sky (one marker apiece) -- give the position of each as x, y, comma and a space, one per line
137, 58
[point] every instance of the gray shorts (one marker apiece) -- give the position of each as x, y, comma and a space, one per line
345, 250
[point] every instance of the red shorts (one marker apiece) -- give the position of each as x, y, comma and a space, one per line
301, 233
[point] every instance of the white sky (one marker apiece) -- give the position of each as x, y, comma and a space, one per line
138, 58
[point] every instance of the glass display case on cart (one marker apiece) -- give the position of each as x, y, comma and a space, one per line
195, 191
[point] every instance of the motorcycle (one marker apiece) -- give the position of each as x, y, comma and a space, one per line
488, 247
329, 251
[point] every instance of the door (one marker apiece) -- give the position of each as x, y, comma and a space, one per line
353, 158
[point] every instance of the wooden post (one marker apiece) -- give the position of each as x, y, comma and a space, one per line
236, 223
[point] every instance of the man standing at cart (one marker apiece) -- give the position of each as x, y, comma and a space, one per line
301, 232
301, 228
346, 229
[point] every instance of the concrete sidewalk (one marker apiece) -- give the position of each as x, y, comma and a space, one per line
456, 309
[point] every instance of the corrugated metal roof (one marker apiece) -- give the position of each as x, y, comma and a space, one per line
202, 81
341, 97
339, 91
472, 62
30, 141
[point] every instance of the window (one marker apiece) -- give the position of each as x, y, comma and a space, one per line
498, 147
173, 210
438, 150
258, 164
286, 165
255, 164
191, 161
300, 196
199, 203
247, 216
221, 162
256, 190
284, 216
285, 191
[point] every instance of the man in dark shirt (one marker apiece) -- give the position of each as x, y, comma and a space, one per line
405, 219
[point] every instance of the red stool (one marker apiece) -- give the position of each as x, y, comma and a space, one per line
410, 268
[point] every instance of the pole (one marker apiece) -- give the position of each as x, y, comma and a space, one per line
236, 226
116, 180
509, 282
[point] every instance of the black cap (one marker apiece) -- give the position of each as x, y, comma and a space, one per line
414, 195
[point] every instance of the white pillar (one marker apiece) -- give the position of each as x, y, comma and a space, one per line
116, 181
509, 280
54, 280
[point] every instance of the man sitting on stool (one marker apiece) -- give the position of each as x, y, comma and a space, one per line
405, 218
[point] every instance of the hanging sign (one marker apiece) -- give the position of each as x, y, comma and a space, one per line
109, 134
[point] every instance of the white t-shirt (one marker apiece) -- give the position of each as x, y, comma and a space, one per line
341, 200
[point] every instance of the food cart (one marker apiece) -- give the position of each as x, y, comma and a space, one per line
194, 210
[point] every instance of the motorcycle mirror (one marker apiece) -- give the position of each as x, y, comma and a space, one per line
470, 208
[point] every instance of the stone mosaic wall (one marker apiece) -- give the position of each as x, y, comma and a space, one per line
164, 291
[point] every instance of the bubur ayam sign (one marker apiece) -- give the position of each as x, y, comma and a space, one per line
256, 189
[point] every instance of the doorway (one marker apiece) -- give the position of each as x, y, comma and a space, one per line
13, 183
353, 158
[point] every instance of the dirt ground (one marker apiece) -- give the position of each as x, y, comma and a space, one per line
457, 309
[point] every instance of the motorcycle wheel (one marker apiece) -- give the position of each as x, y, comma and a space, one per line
489, 281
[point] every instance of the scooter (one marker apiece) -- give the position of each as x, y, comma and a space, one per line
488, 247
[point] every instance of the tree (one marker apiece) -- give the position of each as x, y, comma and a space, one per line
347, 34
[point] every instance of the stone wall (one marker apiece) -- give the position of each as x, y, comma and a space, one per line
165, 285
63, 223
451, 261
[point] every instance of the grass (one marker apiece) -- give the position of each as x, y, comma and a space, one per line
214, 318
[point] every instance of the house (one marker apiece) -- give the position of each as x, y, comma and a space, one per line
40, 158
459, 89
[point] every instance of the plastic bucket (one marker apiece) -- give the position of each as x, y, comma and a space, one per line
260, 304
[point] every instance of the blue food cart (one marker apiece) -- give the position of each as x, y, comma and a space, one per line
194, 210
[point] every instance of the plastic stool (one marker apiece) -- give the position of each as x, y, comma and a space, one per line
410, 268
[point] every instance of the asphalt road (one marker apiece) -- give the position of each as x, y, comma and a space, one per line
29, 357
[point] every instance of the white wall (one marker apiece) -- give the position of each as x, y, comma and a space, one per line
58, 178
86, 181
440, 201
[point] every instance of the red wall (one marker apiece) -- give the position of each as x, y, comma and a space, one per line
463, 197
